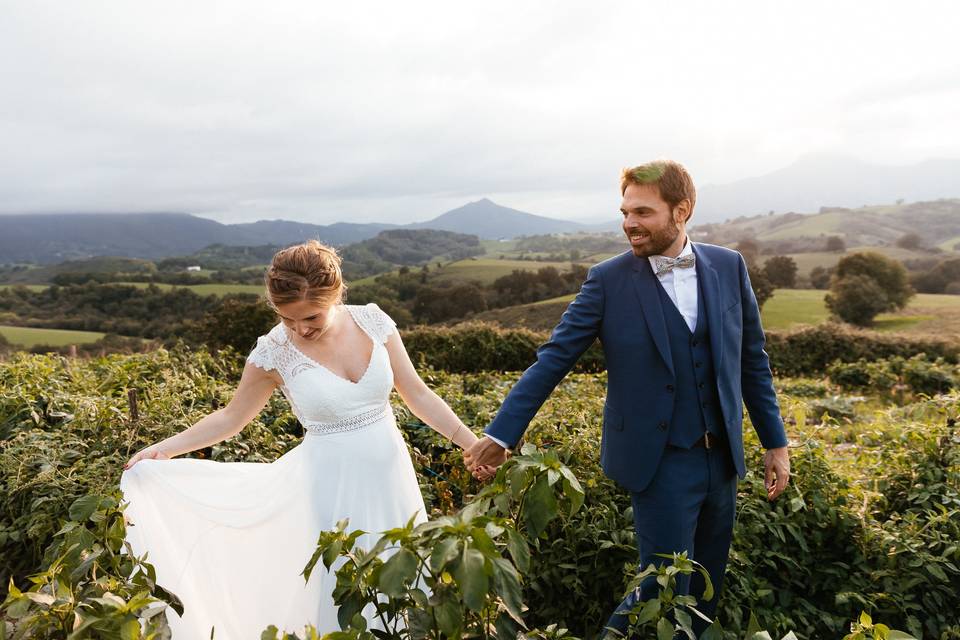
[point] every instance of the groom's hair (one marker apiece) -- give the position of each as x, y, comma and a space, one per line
670, 177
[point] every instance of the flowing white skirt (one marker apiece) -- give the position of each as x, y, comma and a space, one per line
232, 538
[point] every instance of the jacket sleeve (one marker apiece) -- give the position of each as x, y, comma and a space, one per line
579, 327
756, 379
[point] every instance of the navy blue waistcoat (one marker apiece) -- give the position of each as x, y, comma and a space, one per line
696, 408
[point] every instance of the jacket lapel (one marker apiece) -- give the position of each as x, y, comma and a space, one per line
710, 288
645, 282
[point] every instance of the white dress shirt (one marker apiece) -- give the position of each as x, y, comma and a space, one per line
681, 286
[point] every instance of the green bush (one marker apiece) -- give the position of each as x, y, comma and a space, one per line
810, 350
473, 347
865, 284
917, 374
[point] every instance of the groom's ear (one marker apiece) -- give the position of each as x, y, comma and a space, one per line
682, 212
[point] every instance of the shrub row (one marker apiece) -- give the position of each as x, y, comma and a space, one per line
472, 347
896, 374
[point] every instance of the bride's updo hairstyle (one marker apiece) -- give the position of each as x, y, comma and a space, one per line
308, 271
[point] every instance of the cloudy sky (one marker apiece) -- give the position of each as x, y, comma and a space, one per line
398, 111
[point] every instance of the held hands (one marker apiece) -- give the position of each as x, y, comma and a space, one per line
483, 457
153, 452
776, 464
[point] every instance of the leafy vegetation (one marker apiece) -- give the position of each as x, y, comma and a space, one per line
870, 522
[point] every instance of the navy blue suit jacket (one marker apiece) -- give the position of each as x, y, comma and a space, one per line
619, 304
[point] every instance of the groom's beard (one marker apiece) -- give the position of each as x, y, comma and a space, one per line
659, 241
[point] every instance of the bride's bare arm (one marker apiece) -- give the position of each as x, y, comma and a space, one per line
423, 402
255, 388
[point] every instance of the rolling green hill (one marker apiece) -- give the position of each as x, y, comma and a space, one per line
486, 270
926, 313
936, 222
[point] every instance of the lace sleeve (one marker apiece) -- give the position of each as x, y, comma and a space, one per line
381, 324
262, 355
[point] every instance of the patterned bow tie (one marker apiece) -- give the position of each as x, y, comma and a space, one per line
665, 264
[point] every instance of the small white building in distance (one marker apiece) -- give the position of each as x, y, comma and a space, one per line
194, 267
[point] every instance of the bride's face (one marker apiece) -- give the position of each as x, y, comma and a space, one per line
309, 320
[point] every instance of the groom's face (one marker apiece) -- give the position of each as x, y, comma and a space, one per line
650, 225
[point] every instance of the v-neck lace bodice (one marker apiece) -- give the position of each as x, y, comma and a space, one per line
323, 401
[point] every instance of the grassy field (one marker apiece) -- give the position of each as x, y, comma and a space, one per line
487, 270
28, 336
32, 287
926, 313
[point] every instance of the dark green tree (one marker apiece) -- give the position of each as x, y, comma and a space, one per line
866, 284
820, 277
236, 323
749, 249
761, 285
910, 241
781, 271
836, 243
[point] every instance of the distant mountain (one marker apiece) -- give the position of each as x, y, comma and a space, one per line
285, 232
491, 221
53, 238
817, 181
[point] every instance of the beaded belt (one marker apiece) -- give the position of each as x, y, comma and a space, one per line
360, 421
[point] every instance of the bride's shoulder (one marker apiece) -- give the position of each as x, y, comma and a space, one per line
373, 320
264, 353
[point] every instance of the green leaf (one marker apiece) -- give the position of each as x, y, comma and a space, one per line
650, 610
396, 572
519, 550
349, 607
483, 543
900, 635
331, 553
539, 506
506, 583
664, 629
449, 617
444, 552
471, 577
713, 632
752, 626
270, 633
84, 507
130, 630
708, 583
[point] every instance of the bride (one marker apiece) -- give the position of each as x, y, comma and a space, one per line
232, 538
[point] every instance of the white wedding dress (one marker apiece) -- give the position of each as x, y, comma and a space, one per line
232, 538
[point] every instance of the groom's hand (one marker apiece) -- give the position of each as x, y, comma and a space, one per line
776, 463
484, 452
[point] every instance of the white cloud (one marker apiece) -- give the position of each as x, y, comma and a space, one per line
377, 111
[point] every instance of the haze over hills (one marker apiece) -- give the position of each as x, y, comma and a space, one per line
812, 183
821, 180
52, 238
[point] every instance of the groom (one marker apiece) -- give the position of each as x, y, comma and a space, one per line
680, 329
